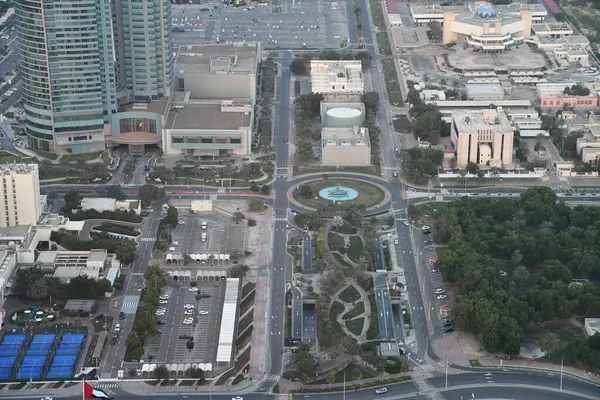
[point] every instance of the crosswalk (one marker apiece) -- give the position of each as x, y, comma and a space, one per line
148, 239
106, 386
427, 367
272, 378
280, 219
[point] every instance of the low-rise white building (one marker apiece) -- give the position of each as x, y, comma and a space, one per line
345, 146
338, 76
102, 204
488, 91
70, 264
592, 326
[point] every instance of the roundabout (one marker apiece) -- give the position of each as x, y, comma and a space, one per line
338, 194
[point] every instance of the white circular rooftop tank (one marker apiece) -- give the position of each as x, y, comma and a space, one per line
343, 116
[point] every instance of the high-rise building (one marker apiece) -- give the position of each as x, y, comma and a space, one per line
81, 58
142, 32
19, 195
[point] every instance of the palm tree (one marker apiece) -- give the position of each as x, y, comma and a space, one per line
161, 372
38, 290
516, 257
519, 219
521, 274
548, 341
547, 228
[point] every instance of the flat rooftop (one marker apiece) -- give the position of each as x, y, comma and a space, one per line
14, 231
345, 137
155, 106
18, 168
217, 58
550, 27
470, 121
206, 116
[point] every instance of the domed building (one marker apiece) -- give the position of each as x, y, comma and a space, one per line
481, 25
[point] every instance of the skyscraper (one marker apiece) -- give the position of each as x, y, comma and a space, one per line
80, 58
142, 31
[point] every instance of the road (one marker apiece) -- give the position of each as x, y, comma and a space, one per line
133, 287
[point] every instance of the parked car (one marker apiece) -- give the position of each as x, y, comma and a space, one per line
160, 322
144, 213
396, 241
381, 391
426, 229
449, 330
121, 315
117, 327
439, 291
441, 297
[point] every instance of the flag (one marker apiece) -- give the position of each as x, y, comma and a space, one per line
92, 393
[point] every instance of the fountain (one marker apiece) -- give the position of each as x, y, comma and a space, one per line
338, 193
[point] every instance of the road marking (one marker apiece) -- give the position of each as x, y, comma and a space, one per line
148, 239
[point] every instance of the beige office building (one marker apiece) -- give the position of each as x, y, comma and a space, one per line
337, 77
20, 191
483, 137
345, 146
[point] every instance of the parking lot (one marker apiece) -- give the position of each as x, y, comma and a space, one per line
223, 236
279, 23
184, 317
437, 282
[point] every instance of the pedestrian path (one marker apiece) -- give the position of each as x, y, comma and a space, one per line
427, 367
112, 385
272, 378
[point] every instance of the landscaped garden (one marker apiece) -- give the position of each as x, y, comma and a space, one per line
118, 229
368, 195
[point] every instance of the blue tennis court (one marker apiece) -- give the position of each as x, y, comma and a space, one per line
11, 345
72, 338
62, 367
6, 367
31, 367
41, 345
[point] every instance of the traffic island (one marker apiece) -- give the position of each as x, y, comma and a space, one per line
338, 195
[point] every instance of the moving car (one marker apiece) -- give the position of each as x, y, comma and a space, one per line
237, 398
144, 213
121, 315
396, 241
381, 391
117, 327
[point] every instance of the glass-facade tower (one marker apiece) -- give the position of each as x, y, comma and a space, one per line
75, 62
142, 31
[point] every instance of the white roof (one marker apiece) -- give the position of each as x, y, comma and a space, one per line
74, 225
98, 203
228, 321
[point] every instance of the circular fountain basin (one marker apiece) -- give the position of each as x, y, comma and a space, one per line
338, 193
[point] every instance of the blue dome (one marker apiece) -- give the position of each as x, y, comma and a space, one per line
486, 12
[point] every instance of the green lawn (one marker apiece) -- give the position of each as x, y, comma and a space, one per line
383, 44
350, 295
355, 326
392, 85
346, 228
368, 195
377, 14
73, 158
336, 242
338, 257
49, 156
356, 248
359, 309
348, 374
336, 309
7, 158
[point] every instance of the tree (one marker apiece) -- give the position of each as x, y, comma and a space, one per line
265, 189
255, 205
371, 101
126, 251
190, 345
238, 217
254, 187
196, 373
72, 200
238, 271
161, 372
172, 217
132, 372
149, 192
312, 221
26, 278
162, 174
516, 257
554, 270
95, 172
251, 222
38, 290
305, 191
297, 66
472, 168
115, 192
547, 228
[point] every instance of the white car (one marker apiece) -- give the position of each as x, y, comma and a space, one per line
396, 241
203, 312
441, 297
237, 398
381, 391
163, 302
187, 322
439, 291
160, 314
164, 297
193, 289
47, 398
189, 306
188, 312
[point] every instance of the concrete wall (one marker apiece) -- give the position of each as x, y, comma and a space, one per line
218, 87
346, 156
